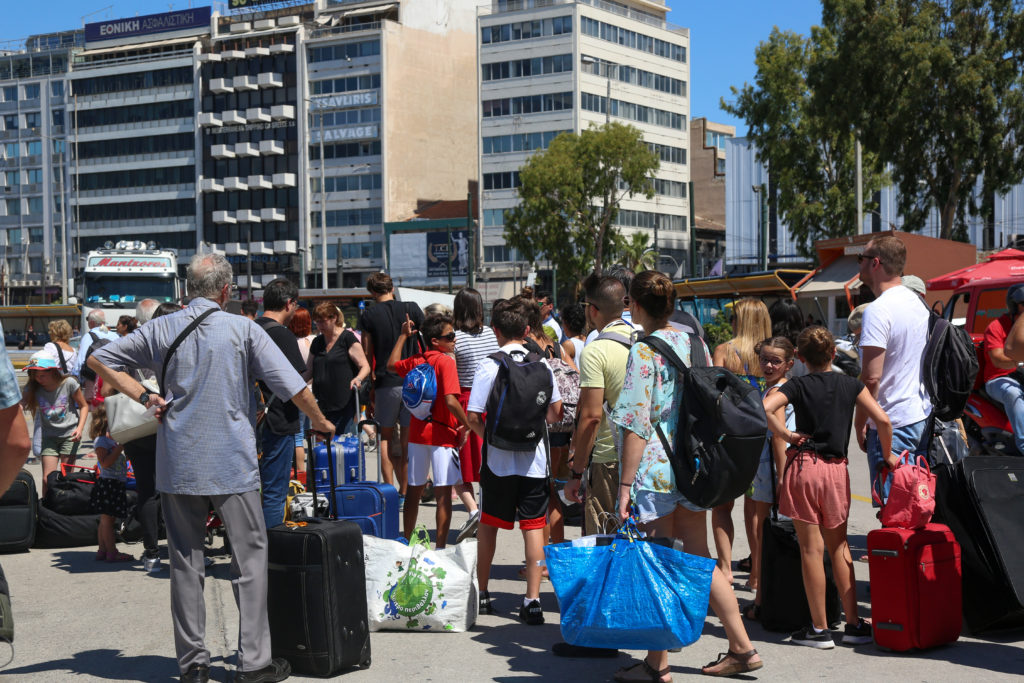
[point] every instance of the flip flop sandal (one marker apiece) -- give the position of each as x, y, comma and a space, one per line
752, 611
641, 672
120, 557
740, 664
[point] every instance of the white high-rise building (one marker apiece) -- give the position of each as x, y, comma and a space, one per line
548, 66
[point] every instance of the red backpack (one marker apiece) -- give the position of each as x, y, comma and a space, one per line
911, 502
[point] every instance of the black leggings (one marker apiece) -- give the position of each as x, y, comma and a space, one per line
142, 455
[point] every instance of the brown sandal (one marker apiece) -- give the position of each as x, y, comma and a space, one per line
641, 672
741, 664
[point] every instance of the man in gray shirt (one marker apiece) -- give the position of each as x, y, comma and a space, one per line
206, 454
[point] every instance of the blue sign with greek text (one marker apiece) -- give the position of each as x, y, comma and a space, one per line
114, 29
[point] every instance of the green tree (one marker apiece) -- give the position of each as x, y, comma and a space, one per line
570, 195
810, 157
936, 88
636, 253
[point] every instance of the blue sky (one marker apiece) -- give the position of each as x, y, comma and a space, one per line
723, 35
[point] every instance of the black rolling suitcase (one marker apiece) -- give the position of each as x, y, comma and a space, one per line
317, 595
784, 605
981, 498
18, 510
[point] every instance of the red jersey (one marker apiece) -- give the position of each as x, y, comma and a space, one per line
995, 337
441, 430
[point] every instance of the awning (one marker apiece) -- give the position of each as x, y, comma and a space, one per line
137, 46
370, 10
833, 280
777, 282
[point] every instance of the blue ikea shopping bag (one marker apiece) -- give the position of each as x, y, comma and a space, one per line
631, 594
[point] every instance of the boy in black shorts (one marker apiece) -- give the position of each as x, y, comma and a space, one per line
513, 483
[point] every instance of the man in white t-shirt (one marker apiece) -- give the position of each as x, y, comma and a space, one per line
547, 314
892, 341
513, 484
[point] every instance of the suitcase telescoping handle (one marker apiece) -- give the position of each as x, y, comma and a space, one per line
311, 469
362, 450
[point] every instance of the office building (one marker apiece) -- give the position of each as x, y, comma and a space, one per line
564, 65
707, 175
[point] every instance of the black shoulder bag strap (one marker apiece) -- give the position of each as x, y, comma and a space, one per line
661, 347
266, 402
177, 342
63, 361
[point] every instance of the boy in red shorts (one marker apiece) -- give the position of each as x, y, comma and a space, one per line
433, 444
513, 483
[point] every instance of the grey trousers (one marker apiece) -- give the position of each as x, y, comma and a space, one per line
242, 514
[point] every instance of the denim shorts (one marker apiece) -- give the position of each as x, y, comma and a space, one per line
652, 505
761, 488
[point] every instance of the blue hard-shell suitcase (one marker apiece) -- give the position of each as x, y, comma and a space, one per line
373, 505
353, 462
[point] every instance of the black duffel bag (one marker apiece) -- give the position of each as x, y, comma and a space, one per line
69, 495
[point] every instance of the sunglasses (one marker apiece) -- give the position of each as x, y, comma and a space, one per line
448, 337
773, 362
861, 257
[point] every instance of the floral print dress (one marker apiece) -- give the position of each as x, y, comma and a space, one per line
649, 398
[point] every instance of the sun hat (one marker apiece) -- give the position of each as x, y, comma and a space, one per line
42, 360
914, 284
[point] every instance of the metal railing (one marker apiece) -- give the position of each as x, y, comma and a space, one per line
338, 30
140, 189
188, 155
614, 8
102, 62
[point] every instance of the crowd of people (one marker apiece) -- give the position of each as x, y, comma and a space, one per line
604, 398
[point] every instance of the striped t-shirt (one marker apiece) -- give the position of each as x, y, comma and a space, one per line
470, 349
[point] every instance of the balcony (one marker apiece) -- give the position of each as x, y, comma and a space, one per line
221, 85
222, 152
259, 182
290, 20
224, 217
270, 147
264, 24
283, 180
235, 183
273, 215
247, 149
209, 57
236, 249
232, 117
260, 249
258, 50
282, 112
245, 82
269, 80
257, 115
281, 48
232, 54
241, 26
210, 185
247, 216
207, 119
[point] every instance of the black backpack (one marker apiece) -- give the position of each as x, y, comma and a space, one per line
721, 431
98, 342
949, 366
517, 406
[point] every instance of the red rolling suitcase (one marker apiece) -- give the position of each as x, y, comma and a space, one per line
915, 587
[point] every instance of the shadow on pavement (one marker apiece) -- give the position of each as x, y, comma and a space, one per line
988, 655
107, 664
83, 560
528, 649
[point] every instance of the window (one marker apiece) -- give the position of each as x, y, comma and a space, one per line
35, 235
713, 139
633, 112
139, 113
137, 210
35, 206
719, 166
128, 146
526, 30
646, 219
345, 150
32, 120
10, 93
57, 117
347, 51
668, 154
34, 147
347, 217
35, 265
32, 91
133, 81
14, 237
501, 253
57, 88
11, 150
494, 218
58, 146
347, 117
521, 68
632, 39
633, 76
143, 177
528, 104
358, 250
13, 207
348, 183
12, 178
34, 175
505, 180
10, 122
339, 85
523, 142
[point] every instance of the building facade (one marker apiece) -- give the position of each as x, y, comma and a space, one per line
707, 171
549, 66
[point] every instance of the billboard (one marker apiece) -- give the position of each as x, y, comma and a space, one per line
422, 258
182, 20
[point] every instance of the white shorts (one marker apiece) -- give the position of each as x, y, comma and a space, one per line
443, 461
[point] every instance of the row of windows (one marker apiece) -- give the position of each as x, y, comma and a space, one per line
289, 136
286, 198
713, 139
137, 210
525, 30
500, 253
344, 150
634, 76
349, 84
139, 177
355, 250
119, 147
35, 206
521, 142
279, 64
668, 154
31, 175
346, 117
137, 113
247, 166
520, 68
637, 41
251, 232
266, 97
503, 180
348, 183
646, 219
161, 78
527, 104
32, 119
11, 149
347, 217
30, 91
669, 188
331, 53
633, 112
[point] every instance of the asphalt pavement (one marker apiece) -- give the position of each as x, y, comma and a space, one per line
82, 620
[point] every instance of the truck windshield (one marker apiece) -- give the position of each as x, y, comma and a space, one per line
110, 288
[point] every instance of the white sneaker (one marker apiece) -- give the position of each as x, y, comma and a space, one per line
152, 565
468, 529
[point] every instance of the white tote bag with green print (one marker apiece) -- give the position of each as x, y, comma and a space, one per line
414, 588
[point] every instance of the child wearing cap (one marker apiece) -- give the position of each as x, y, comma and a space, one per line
56, 400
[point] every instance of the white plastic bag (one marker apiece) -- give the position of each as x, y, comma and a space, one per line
414, 588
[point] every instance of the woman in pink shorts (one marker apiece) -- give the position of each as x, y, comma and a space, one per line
815, 486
